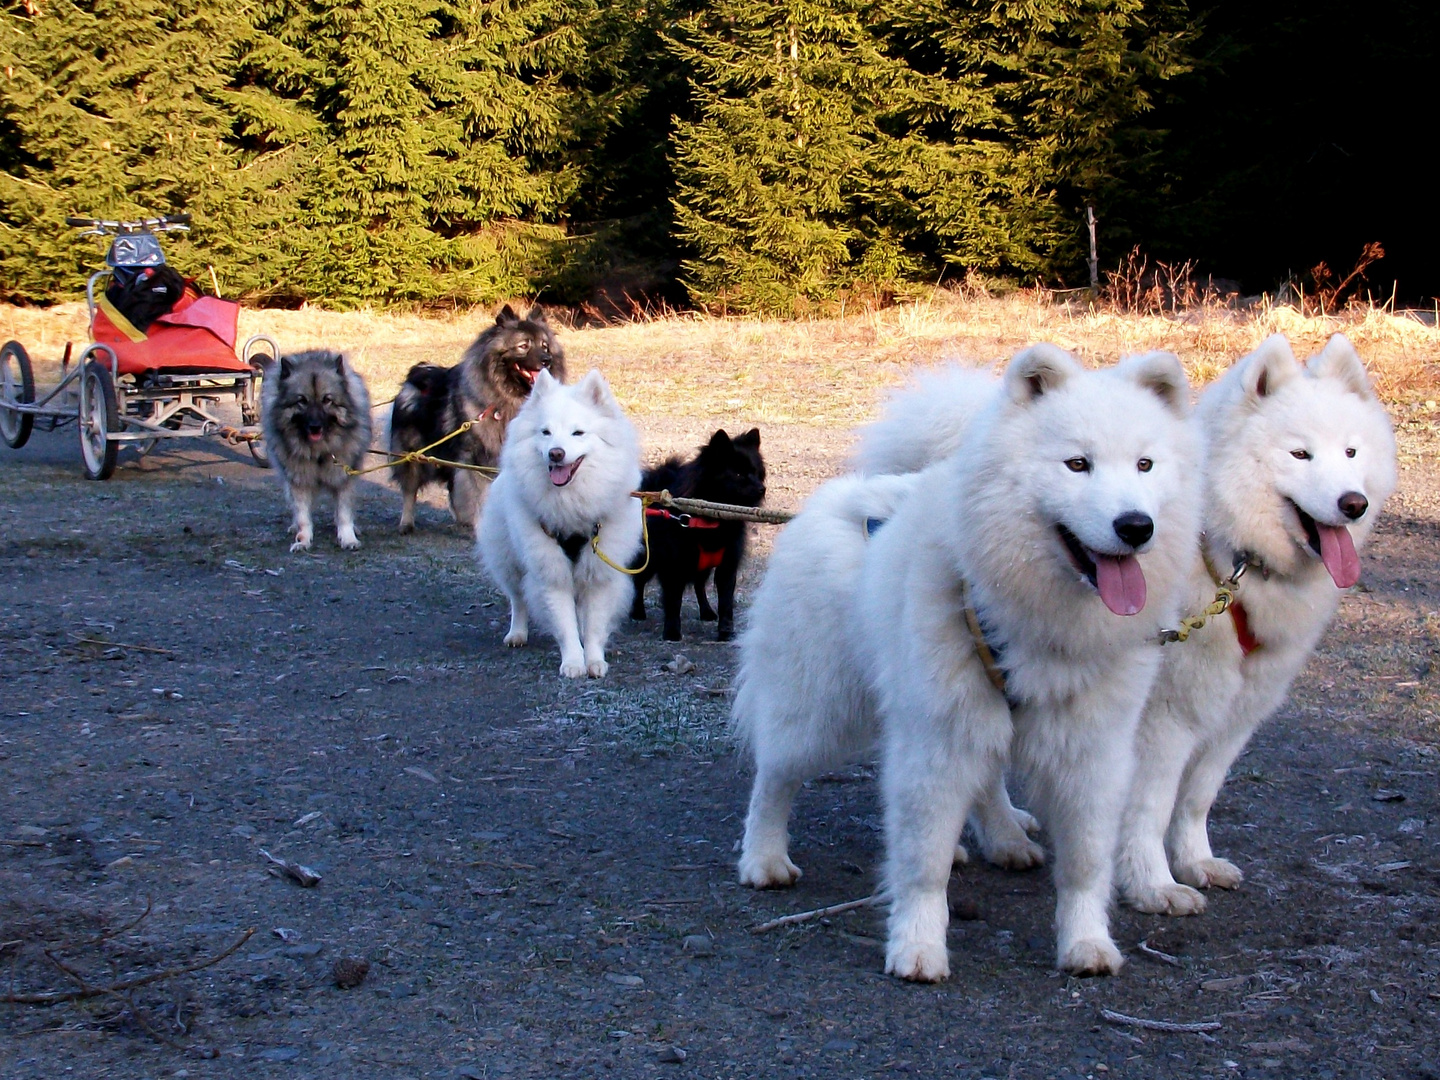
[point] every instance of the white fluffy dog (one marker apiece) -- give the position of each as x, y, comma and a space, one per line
1067, 517
802, 706
1301, 460
567, 468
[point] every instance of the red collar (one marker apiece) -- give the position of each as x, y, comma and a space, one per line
685, 521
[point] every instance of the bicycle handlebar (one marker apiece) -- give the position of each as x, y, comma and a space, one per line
165, 223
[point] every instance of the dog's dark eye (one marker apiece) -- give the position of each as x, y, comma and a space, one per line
1300, 455
522, 346
545, 431
327, 400
577, 432
1144, 464
302, 400
1350, 451
1078, 464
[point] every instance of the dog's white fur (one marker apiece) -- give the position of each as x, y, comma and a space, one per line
802, 706
1209, 698
924, 422
1077, 674
517, 541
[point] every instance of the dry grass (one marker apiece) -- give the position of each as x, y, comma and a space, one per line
830, 372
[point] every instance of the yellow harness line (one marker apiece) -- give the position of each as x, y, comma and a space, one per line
420, 456
1224, 600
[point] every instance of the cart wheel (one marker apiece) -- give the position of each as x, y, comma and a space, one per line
260, 452
101, 416
17, 384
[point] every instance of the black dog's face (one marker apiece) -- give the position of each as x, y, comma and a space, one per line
314, 397
732, 470
519, 349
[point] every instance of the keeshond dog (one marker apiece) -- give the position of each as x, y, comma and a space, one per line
685, 548
316, 418
489, 384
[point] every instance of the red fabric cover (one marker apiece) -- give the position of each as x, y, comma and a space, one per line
197, 335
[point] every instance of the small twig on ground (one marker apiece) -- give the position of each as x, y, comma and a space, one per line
1164, 957
667, 903
56, 996
23, 843
122, 645
205, 1052
301, 875
1162, 1025
817, 913
108, 934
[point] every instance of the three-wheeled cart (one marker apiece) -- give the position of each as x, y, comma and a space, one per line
141, 385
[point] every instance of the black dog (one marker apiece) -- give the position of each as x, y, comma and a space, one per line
685, 549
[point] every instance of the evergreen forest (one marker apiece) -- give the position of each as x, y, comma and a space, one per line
744, 156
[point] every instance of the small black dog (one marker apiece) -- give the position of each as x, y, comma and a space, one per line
685, 549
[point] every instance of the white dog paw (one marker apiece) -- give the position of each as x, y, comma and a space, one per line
516, 639
349, 541
1020, 853
1210, 874
1169, 899
596, 669
302, 543
1092, 957
774, 871
1026, 820
572, 669
917, 961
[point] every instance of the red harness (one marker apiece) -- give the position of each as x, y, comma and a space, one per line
708, 560
1248, 641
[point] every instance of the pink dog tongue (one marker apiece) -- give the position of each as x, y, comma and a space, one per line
1121, 583
560, 474
1337, 552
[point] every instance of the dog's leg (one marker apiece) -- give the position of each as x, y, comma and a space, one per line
1003, 831
930, 779
1190, 854
672, 593
598, 606
301, 499
519, 632
1079, 766
565, 622
1163, 747
725, 576
764, 852
409, 487
465, 497
637, 604
702, 599
345, 517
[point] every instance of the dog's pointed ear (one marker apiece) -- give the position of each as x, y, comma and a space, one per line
1269, 367
751, 439
594, 387
1163, 375
507, 317
1339, 360
719, 441
535, 314
339, 363
544, 383
1038, 370
286, 367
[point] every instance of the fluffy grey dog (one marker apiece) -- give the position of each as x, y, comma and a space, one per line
489, 385
316, 417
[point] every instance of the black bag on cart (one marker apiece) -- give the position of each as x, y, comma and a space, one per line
144, 293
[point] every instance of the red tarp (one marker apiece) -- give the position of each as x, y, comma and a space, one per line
197, 335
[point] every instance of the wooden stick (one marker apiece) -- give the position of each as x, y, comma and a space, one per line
57, 996
1160, 1025
123, 645
817, 913
1164, 957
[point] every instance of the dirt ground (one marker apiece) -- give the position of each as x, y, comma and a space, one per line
540, 872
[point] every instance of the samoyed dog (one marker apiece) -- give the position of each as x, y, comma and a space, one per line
802, 706
1011, 609
1300, 461
562, 500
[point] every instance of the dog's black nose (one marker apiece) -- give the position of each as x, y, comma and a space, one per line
1134, 527
557, 456
1353, 505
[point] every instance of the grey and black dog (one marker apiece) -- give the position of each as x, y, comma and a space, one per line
488, 386
316, 418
